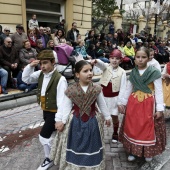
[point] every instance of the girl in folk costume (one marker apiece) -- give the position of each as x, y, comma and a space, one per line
166, 84
143, 131
80, 145
113, 81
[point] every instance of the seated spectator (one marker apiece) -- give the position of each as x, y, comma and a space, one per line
129, 52
50, 45
33, 22
9, 59
27, 54
121, 48
104, 46
3, 80
32, 38
39, 46
100, 53
139, 44
59, 37
91, 51
22, 85
80, 49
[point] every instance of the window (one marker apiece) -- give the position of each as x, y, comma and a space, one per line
147, 5
135, 5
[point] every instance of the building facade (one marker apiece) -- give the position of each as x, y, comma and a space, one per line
48, 12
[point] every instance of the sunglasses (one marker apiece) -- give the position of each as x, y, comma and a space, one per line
7, 30
9, 42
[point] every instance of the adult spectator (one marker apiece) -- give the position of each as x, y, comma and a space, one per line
1, 39
59, 37
44, 38
50, 45
39, 46
32, 38
48, 32
139, 44
9, 59
18, 37
3, 80
111, 28
130, 52
115, 39
60, 25
27, 54
33, 22
4, 34
120, 35
72, 34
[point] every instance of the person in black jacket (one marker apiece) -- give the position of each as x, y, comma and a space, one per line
72, 34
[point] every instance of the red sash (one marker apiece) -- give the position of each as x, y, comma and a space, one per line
107, 91
168, 67
139, 121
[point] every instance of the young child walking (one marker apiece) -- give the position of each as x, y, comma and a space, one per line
152, 61
80, 145
113, 81
143, 132
166, 84
51, 88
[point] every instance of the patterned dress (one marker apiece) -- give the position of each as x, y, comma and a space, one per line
80, 146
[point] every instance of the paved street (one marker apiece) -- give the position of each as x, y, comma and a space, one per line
20, 148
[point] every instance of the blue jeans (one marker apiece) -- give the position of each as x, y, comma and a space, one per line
27, 86
3, 77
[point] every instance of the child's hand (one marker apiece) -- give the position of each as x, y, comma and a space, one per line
34, 63
121, 109
165, 76
93, 62
108, 123
157, 115
59, 126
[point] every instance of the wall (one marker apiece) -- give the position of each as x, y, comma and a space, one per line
74, 12
12, 12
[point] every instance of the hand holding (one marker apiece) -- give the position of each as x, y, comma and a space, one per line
108, 123
157, 115
59, 126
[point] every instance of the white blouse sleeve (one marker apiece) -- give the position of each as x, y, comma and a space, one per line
29, 76
158, 94
102, 106
127, 93
100, 64
122, 88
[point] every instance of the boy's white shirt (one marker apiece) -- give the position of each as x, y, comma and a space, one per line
29, 77
68, 105
154, 63
158, 92
100, 64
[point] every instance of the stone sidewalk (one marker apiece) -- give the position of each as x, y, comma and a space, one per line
28, 153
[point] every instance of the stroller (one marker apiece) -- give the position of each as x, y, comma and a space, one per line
65, 63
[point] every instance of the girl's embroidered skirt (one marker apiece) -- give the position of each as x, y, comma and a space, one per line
80, 146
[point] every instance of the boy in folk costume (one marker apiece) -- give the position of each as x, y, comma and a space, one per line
113, 81
51, 87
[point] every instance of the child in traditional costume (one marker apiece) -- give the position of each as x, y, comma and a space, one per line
166, 84
51, 88
80, 145
113, 81
143, 131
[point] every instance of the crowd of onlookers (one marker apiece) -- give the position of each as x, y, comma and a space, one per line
19, 49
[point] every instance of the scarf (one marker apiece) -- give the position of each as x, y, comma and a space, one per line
83, 100
140, 82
